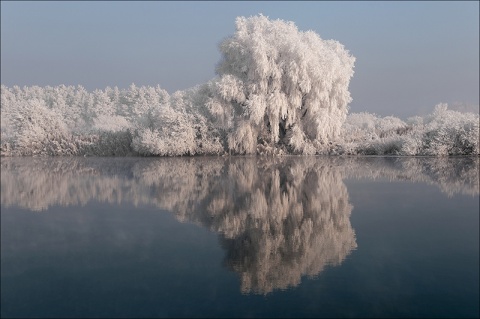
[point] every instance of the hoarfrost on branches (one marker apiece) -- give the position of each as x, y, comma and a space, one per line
279, 87
278, 91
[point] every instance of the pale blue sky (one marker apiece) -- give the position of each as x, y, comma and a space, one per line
410, 55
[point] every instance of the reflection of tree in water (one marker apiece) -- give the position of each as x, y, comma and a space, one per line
278, 218
289, 220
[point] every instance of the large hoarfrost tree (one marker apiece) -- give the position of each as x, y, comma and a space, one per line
280, 87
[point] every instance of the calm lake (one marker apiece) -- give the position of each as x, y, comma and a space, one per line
293, 236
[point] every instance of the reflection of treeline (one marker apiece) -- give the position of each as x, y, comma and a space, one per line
279, 218
37, 183
452, 175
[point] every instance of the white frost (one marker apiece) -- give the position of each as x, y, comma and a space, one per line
278, 91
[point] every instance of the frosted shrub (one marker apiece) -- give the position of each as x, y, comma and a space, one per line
182, 127
208, 136
367, 134
447, 132
444, 132
280, 86
37, 130
170, 135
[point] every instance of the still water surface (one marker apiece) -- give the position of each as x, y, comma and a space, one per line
240, 237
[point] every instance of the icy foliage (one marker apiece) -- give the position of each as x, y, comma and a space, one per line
139, 120
148, 121
66, 120
278, 91
279, 87
441, 133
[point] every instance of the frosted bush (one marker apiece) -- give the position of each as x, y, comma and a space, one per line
447, 132
444, 132
34, 129
169, 132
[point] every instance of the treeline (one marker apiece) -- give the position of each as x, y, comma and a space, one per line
278, 91
68, 120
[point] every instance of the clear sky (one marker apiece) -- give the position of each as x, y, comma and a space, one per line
410, 55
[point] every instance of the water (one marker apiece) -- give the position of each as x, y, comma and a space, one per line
240, 237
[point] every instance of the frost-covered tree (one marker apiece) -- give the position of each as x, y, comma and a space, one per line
279, 86
183, 126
